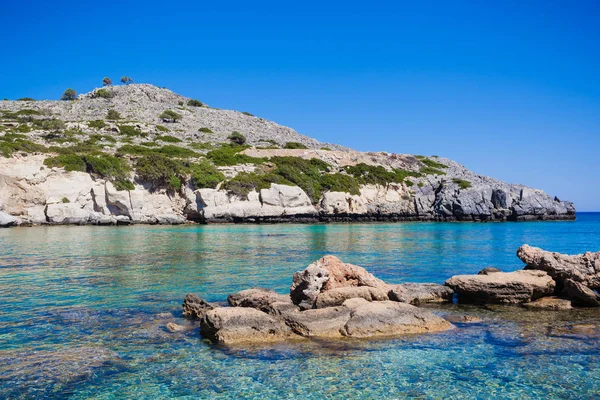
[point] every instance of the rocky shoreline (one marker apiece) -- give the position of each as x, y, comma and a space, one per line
334, 300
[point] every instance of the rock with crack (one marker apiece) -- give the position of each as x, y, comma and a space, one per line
262, 299
584, 268
325, 322
502, 287
236, 325
337, 296
389, 318
580, 294
419, 293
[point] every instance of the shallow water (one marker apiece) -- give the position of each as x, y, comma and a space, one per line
81, 314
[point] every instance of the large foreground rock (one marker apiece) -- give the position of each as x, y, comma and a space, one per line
389, 318
7, 220
584, 268
328, 273
326, 322
580, 294
194, 306
502, 287
232, 325
419, 293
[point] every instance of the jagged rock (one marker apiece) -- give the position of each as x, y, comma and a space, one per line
325, 322
261, 299
337, 296
549, 303
584, 268
67, 213
488, 270
232, 325
194, 306
328, 273
580, 294
502, 287
7, 220
388, 318
417, 293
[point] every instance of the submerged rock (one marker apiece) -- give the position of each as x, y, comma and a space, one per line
584, 268
549, 303
418, 293
502, 287
194, 306
232, 325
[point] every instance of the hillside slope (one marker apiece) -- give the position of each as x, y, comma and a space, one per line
114, 157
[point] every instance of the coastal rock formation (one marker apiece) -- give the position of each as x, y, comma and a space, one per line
386, 318
7, 220
195, 307
232, 325
262, 299
337, 296
583, 268
418, 293
502, 287
427, 189
329, 273
580, 294
324, 323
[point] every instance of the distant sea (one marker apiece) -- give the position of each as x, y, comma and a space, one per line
84, 311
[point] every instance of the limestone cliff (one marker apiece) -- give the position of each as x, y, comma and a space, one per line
379, 186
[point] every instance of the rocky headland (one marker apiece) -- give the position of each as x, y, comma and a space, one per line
331, 299
142, 154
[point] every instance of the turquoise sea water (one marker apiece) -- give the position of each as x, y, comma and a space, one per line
84, 311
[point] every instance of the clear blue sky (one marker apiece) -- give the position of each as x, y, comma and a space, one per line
510, 90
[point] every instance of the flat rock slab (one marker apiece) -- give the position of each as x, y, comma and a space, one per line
337, 296
419, 293
262, 299
502, 287
549, 303
389, 318
326, 322
233, 325
584, 268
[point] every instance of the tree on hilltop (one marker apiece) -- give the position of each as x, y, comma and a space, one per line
106, 82
126, 80
69, 94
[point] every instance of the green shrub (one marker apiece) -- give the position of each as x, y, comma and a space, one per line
100, 138
149, 144
294, 145
201, 146
195, 103
14, 142
170, 116
229, 155
129, 130
65, 200
378, 175
205, 175
135, 150
107, 166
49, 124
325, 148
103, 94
169, 139
26, 99
167, 151
433, 164
420, 184
431, 171
161, 128
463, 184
124, 185
113, 115
28, 111
247, 113
243, 183
237, 138
97, 124
176, 151
205, 130
70, 162
23, 128
160, 171
340, 183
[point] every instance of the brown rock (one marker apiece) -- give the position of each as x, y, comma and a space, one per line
194, 306
502, 287
173, 327
231, 325
337, 296
389, 318
584, 268
549, 303
418, 293
325, 274
580, 294
261, 299
325, 322
462, 319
